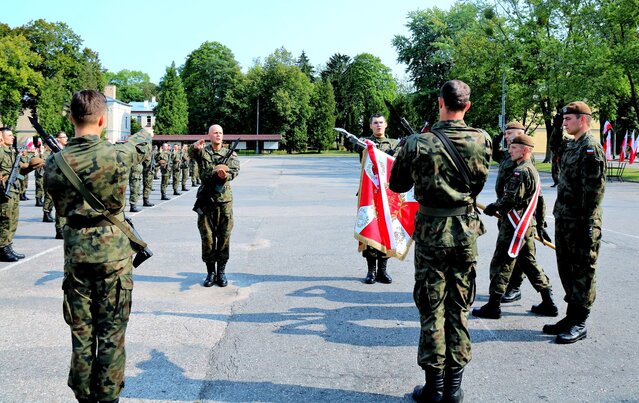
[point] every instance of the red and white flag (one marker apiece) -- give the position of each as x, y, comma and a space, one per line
608, 143
30, 145
624, 145
521, 224
385, 219
633, 147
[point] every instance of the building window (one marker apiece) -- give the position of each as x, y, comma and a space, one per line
148, 120
139, 118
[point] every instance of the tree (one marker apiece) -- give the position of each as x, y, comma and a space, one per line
368, 82
132, 85
322, 119
62, 56
335, 73
135, 125
171, 113
215, 88
16, 75
284, 93
304, 64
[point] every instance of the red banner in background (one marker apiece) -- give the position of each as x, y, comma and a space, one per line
385, 219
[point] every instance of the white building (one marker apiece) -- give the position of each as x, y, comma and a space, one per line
144, 113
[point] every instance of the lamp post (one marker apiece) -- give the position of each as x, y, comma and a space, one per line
257, 128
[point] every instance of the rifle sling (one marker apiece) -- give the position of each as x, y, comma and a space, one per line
93, 201
461, 166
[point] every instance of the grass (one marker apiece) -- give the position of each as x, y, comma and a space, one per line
630, 174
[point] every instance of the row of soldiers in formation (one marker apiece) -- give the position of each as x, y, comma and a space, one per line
170, 163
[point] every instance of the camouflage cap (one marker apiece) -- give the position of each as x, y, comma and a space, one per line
577, 108
523, 139
515, 125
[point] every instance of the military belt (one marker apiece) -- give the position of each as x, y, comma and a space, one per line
79, 222
445, 212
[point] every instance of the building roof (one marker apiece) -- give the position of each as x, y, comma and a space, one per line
146, 106
227, 137
113, 100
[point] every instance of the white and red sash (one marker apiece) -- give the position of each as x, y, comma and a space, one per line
521, 224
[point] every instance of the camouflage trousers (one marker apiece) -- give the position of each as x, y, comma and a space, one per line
9, 214
215, 227
443, 297
97, 304
177, 176
577, 254
195, 174
135, 184
47, 203
147, 181
165, 176
39, 183
185, 176
502, 265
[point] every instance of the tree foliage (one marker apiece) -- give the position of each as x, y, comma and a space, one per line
215, 87
132, 85
171, 113
322, 119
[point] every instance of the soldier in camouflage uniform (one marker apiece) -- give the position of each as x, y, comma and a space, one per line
135, 187
176, 169
163, 160
9, 205
215, 217
147, 177
98, 278
582, 182
195, 173
185, 166
376, 261
23, 183
516, 196
39, 175
446, 230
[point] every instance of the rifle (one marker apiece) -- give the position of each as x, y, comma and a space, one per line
143, 251
48, 139
407, 127
152, 165
207, 191
357, 143
15, 174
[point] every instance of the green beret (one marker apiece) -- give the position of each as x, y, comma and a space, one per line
577, 108
515, 125
523, 139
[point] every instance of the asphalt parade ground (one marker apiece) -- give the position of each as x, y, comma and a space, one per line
296, 322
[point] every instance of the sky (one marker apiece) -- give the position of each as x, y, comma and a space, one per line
148, 36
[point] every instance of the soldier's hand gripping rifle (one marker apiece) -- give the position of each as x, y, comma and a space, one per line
15, 173
208, 190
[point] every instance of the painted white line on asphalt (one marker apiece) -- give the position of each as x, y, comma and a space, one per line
550, 218
28, 259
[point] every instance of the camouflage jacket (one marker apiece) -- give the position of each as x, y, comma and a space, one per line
162, 159
104, 169
582, 180
207, 159
7, 158
385, 144
519, 189
424, 163
506, 168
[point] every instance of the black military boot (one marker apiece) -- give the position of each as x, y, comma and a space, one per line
512, 294
47, 217
547, 306
492, 310
577, 330
382, 276
453, 392
563, 324
6, 255
164, 197
87, 400
193, 184
58, 233
210, 277
176, 193
370, 276
147, 203
16, 254
220, 279
433, 390
135, 209
23, 197
111, 401
39, 202
185, 189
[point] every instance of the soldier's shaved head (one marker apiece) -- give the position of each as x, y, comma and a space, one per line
87, 106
